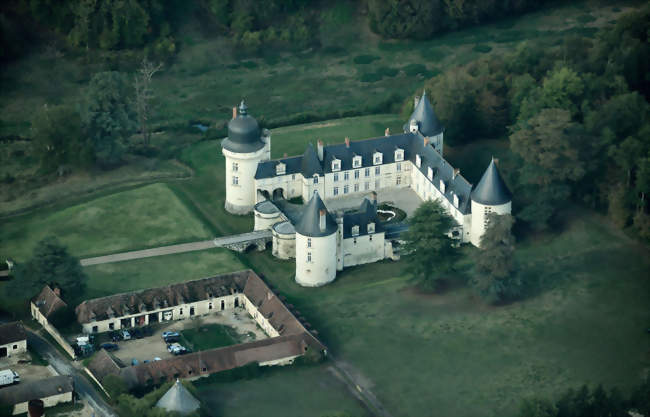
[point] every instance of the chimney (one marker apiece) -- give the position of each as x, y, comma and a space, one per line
57, 291
322, 213
426, 141
234, 112
456, 172
320, 150
387, 131
416, 100
347, 142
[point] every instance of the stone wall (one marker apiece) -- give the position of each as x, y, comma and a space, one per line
36, 314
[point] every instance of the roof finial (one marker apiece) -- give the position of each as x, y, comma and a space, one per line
243, 108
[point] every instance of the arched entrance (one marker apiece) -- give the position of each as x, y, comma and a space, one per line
263, 195
278, 193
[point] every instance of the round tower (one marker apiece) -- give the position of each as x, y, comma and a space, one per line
245, 146
315, 245
491, 195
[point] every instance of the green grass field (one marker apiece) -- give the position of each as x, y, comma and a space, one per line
144, 273
307, 391
139, 218
210, 336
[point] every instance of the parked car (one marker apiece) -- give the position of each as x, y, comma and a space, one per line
134, 362
176, 349
8, 377
157, 359
137, 333
109, 346
126, 335
171, 337
147, 331
167, 334
115, 336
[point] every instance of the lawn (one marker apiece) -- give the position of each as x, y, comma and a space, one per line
210, 336
143, 217
144, 273
455, 355
306, 391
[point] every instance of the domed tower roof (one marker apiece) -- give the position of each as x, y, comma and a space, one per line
243, 133
310, 224
491, 189
178, 399
428, 123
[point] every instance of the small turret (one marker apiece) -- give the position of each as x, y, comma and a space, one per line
491, 195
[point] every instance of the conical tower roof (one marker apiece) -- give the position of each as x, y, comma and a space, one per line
309, 223
428, 123
491, 189
310, 162
178, 399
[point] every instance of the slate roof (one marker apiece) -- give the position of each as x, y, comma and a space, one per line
104, 363
423, 113
48, 302
367, 213
178, 399
12, 332
284, 228
155, 298
491, 189
243, 133
309, 224
307, 164
26, 391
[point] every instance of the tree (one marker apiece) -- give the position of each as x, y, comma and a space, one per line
494, 264
143, 96
429, 249
108, 116
52, 265
114, 385
537, 407
58, 138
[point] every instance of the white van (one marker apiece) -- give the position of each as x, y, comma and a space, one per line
8, 377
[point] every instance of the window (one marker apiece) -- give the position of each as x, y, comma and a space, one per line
366, 186
377, 158
398, 180
346, 176
442, 186
370, 238
336, 165
309, 242
111, 326
356, 188
356, 174
280, 169
399, 154
418, 161
293, 177
430, 174
308, 256
367, 172
235, 180
210, 306
355, 230
180, 311
235, 167
95, 329
315, 179
354, 241
346, 189
15, 347
371, 227
356, 162
336, 177
376, 184
377, 170
398, 167
336, 191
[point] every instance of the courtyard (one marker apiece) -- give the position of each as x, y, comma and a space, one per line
27, 367
223, 328
403, 198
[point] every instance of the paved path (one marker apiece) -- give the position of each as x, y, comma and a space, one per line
358, 385
181, 248
4, 273
63, 366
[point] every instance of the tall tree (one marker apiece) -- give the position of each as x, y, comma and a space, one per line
143, 96
108, 116
50, 264
429, 250
494, 264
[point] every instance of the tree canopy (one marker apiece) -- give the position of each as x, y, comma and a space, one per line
429, 249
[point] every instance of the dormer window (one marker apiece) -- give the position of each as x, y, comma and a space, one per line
377, 158
336, 165
430, 173
356, 161
442, 186
418, 161
315, 178
413, 126
399, 154
355, 230
280, 169
371, 227
456, 200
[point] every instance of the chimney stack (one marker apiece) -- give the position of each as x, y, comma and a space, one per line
322, 213
320, 150
234, 112
456, 172
347, 142
426, 141
387, 131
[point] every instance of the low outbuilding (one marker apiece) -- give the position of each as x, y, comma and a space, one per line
13, 339
52, 391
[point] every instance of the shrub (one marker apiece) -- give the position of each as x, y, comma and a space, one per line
370, 77
365, 59
482, 48
414, 69
387, 71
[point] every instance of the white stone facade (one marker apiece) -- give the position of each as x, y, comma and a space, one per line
315, 260
240, 178
50, 401
479, 218
14, 348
